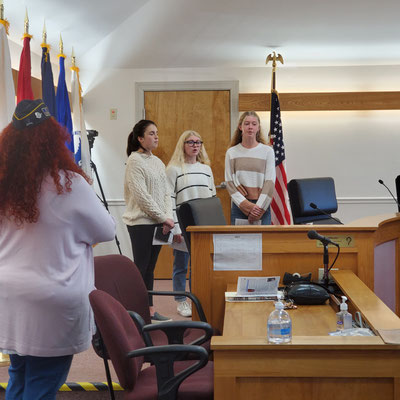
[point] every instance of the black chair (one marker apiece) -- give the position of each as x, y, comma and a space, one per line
199, 212
313, 200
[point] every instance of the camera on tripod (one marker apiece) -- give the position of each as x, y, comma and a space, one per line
91, 135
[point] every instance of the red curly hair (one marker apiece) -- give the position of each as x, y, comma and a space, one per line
27, 156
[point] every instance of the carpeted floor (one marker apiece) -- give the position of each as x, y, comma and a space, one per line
88, 367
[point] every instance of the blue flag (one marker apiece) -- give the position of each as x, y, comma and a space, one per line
48, 92
63, 106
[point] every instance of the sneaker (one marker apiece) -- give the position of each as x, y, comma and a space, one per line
184, 309
157, 318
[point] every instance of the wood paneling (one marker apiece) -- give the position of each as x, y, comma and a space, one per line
335, 101
284, 249
314, 365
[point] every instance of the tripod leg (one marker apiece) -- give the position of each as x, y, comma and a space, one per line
103, 199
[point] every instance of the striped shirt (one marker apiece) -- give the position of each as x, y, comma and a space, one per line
250, 175
193, 181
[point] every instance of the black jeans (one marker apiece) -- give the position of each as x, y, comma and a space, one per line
144, 253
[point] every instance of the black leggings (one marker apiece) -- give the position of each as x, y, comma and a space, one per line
144, 253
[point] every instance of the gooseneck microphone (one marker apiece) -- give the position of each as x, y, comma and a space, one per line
315, 207
394, 198
325, 240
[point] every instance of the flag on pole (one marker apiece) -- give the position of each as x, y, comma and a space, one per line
7, 92
280, 214
48, 92
81, 143
62, 101
24, 89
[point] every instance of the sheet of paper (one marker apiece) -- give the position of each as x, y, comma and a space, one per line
179, 246
238, 252
239, 221
257, 285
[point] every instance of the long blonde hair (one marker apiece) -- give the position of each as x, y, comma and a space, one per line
178, 157
237, 136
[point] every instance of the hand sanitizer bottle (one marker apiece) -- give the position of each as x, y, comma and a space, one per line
279, 326
343, 317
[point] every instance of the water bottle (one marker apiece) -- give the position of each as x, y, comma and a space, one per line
279, 326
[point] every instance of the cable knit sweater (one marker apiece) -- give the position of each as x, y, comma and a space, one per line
147, 197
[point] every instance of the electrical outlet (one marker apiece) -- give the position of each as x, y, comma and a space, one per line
321, 273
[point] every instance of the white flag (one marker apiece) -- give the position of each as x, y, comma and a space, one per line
7, 92
81, 143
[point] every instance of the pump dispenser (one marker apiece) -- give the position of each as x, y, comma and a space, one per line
343, 317
279, 325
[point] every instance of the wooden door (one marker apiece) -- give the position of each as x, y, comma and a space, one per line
204, 111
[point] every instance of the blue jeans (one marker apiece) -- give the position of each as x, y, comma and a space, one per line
181, 261
36, 378
237, 213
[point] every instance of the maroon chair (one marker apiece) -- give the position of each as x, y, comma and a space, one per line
118, 276
168, 377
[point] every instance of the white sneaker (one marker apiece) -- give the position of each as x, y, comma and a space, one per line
184, 309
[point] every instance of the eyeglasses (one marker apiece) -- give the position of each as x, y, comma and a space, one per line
193, 143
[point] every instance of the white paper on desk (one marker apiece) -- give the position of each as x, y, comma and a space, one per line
240, 221
238, 252
254, 286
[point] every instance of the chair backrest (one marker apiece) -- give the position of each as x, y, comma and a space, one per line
118, 276
120, 336
320, 191
199, 212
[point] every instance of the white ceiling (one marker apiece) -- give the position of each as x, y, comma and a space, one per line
214, 33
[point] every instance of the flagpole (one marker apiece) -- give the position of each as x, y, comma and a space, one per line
280, 214
274, 58
4, 358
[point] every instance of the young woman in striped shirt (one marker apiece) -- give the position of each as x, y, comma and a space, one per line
250, 172
190, 177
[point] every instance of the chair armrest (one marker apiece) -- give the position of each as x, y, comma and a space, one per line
164, 357
175, 331
191, 296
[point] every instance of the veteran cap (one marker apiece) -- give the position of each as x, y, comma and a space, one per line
29, 113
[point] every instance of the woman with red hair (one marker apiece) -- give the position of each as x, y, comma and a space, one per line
49, 219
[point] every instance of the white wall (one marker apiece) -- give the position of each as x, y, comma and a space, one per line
355, 148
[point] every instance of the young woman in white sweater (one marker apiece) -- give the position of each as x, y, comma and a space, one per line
189, 177
148, 202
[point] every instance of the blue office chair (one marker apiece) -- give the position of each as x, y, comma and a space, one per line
313, 200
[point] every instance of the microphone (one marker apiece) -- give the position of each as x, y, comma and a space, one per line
398, 190
314, 206
397, 185
325, 240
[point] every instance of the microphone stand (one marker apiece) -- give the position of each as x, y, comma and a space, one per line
325, 278
91, 136
314, 206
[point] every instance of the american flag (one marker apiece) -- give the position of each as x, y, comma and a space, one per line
280, 214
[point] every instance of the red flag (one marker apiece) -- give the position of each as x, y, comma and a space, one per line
24, 90
280, 214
